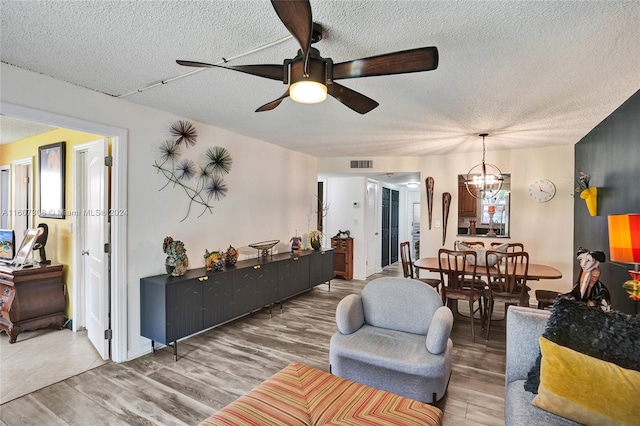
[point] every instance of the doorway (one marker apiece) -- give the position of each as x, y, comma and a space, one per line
373, 236
117, 262
390, 226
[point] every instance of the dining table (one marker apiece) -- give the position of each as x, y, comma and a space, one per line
536, 271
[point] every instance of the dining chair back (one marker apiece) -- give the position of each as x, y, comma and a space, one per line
507, 281
459, 267
405, 258
408, 268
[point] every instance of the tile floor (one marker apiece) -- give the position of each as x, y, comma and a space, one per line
42, 357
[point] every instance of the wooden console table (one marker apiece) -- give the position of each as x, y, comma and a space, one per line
31, 298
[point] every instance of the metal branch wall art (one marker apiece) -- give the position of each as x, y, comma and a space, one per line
201, 183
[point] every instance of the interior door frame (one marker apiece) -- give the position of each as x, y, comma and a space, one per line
5, 191
118, 201
373, 227
17, 195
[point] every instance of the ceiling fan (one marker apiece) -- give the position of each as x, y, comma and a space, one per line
310, 76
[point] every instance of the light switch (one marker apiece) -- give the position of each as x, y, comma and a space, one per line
437, 224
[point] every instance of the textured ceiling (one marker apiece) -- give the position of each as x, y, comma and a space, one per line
531, 73
12, 129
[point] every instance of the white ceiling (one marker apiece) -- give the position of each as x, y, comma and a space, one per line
531, 73
13, 129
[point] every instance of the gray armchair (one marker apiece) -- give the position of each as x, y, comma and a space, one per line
395, 337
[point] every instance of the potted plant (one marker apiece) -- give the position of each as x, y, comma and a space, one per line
315, 237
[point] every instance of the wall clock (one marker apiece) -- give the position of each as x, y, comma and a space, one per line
542, 190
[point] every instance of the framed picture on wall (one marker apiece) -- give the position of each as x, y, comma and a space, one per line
51, 173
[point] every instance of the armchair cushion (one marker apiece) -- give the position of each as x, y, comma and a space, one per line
439, 331
400, 304
349, 314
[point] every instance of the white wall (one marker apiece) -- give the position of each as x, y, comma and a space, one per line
263, 202
342, 193
546, 229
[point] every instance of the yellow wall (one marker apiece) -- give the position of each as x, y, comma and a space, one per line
59, 242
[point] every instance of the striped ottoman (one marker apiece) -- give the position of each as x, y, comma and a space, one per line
301, 395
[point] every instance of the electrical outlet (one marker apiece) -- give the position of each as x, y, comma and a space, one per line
437, 224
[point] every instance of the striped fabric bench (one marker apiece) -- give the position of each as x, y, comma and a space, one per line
300, 395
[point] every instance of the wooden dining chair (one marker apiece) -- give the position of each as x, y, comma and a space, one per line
408, 268
508, 281
461, 282
512, 248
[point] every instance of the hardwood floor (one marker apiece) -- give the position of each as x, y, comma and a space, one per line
219, 365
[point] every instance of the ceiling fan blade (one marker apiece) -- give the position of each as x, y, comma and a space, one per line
406, 61
354, 100
296, 16
271, 105
271, 71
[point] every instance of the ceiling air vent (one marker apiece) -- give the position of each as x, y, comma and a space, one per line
362, 164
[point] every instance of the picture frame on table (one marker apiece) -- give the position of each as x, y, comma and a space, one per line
51, 180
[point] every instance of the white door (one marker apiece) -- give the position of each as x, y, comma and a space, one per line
373, 235
95, 234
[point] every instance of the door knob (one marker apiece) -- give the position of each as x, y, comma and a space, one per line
85, 253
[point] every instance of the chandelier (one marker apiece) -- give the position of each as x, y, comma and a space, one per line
484, 180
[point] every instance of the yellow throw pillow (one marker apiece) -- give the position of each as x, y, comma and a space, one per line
586, 389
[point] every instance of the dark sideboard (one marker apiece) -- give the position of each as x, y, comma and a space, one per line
172, 308
31, 298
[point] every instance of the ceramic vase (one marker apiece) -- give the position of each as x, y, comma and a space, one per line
590, 197
231, 256
315, 244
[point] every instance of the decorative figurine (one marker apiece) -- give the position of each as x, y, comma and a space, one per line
296, 244
177, 261
213, 261
231, 256
589, 288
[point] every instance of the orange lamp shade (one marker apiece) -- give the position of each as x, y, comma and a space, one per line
624, 238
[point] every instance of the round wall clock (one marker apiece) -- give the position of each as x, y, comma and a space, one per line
542, 190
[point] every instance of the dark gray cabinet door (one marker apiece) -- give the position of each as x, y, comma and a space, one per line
218, 298
320, 267
244, 291
170, 308
327, 266
267, 284
293, 276
315, 268
184, 309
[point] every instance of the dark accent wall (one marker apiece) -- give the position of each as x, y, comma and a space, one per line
610, 153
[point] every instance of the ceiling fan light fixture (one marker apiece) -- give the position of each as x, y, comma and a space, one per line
308, 92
